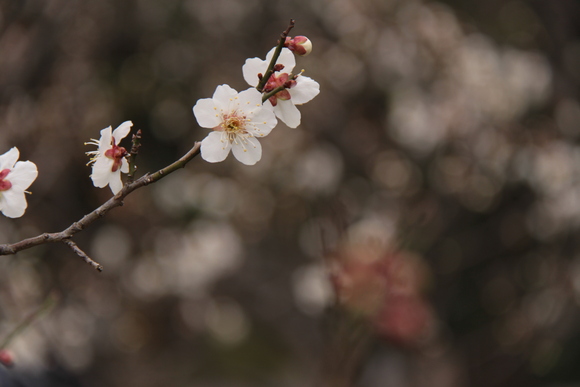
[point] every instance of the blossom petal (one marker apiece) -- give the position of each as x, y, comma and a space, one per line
101, 175
250, 100
306, 88
252, 68
22, 175
223, 93
115, 182
206, 113
249, 152
13, 203
288, 113
263, 120
255, 66
286, 58
214, 149
223, 97
8, 159
124, 165
122, 131
105, 140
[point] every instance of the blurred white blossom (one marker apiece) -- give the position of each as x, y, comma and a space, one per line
15, 178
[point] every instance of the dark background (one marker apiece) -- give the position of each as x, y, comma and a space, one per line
445, 130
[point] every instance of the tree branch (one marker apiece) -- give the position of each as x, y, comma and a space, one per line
277, 51
85, 221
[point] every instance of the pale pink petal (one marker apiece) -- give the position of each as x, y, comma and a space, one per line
288, 113
214, 148
122, 131
305, 89
13, 203
207, 113
8, 159
22, 175
248, 152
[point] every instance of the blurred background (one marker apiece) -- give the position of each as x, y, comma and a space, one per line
417, 229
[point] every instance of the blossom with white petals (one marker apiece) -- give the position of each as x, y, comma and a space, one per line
301, 90
15, 178
236, 119
109, 159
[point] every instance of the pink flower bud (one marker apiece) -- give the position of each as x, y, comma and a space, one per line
6, 358
300, 45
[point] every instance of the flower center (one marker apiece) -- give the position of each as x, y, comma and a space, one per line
234, 124
116, 153
5, 185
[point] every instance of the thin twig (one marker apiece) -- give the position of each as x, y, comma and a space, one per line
115, 201
274, 59
82, 254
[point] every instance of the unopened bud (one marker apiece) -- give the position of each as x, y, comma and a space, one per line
300, 45
278, 67
6, 358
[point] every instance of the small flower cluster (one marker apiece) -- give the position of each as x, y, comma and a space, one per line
237, 120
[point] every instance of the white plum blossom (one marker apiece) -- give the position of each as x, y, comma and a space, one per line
299, 90
109, 159
15, 178
237, 119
